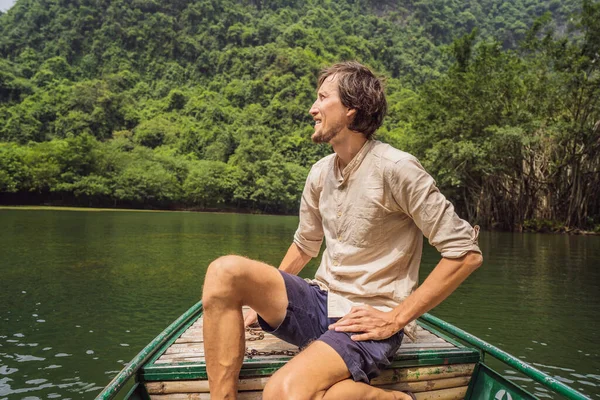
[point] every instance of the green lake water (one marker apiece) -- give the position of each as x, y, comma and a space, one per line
81, 292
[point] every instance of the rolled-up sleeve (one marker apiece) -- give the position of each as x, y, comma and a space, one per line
415, 192
309, 235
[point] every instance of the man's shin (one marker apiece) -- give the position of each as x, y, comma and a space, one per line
224, 346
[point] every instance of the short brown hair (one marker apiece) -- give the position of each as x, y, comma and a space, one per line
361, 90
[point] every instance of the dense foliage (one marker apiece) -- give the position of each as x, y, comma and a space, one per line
204, 104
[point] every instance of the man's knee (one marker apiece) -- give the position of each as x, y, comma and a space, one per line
225, 268
222, 277
285, 387
281, 387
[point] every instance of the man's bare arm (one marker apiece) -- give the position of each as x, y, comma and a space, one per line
441, 282
293, 262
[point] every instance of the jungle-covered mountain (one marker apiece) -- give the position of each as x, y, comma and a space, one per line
204, 104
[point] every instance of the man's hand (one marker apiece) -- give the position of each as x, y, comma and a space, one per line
250, 318
370, 322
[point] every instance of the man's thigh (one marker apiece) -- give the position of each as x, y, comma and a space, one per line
306, 315
310, 373
365, 359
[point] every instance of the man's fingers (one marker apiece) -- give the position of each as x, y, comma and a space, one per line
362, 310
363, 336
250, 318
350, 328
357, 314
345, 322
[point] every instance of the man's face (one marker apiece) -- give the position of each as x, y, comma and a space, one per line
328, 112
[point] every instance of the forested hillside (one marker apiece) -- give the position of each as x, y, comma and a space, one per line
204, 104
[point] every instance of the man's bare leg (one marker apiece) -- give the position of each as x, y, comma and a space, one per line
232, 282
320, 373
348, 389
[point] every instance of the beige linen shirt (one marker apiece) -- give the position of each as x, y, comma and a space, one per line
373, 215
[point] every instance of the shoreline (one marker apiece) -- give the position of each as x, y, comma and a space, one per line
157, 210
572, 231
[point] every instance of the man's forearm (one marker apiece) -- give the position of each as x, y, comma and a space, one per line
441, 282
294, 260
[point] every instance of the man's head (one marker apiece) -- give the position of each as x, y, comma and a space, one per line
349, 95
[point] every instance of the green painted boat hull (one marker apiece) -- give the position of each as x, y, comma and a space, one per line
488, 384
485, 383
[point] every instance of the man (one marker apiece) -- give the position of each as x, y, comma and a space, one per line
372, 204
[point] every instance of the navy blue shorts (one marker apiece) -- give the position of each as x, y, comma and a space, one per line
306, 320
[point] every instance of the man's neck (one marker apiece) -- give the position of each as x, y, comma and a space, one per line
346, 145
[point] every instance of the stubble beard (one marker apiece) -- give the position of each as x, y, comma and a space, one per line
325, 136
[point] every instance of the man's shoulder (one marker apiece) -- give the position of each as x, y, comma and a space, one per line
320, 168
325, 160
323, 163
390, 154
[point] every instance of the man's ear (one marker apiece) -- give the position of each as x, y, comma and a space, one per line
351, 112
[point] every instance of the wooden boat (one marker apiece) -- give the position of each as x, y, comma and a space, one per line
444, 363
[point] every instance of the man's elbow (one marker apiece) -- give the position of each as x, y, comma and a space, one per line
473, 260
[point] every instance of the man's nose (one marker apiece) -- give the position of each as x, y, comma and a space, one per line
313, 109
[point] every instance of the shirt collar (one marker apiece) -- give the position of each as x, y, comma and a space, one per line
353, 164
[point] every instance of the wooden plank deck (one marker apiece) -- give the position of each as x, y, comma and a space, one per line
189, 347
431, 367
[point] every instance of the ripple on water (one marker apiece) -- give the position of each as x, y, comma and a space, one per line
553, 367
62, 355
563, 380
86, 387
25, 357
95, 389
36, 381
6, 370
519, 378
6, 389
